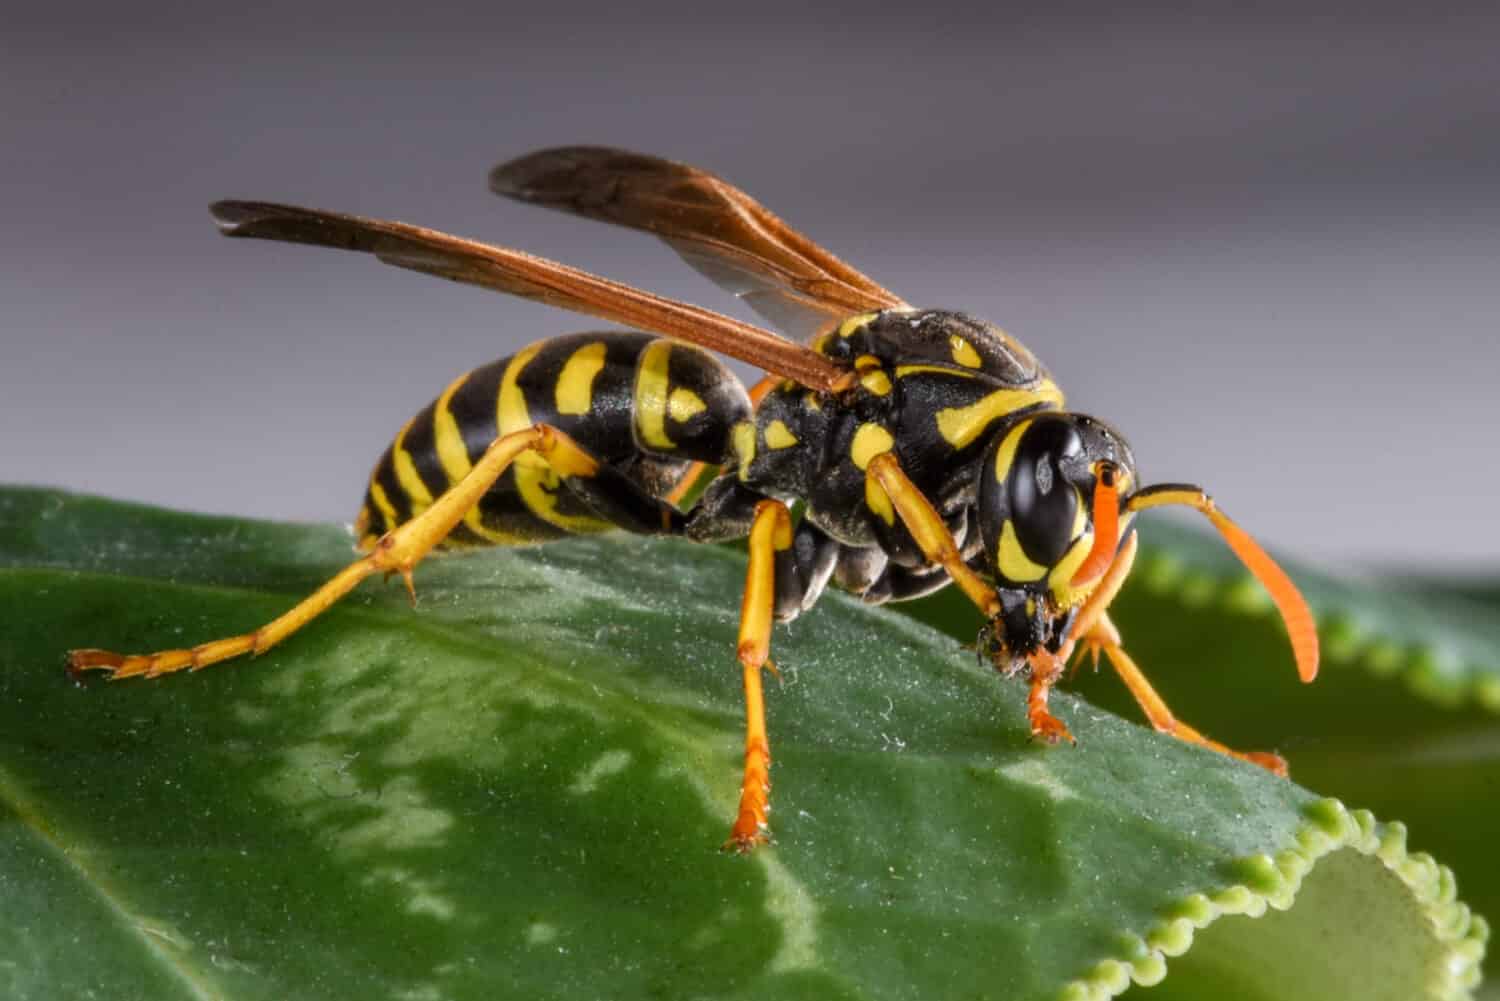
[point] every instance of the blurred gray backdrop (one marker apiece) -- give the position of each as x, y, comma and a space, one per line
1265, 244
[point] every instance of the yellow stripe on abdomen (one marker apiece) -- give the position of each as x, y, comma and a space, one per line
536, 481
575, 383
652, 395
448, 437
418, 497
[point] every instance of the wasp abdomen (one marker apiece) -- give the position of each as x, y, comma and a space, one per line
645, 406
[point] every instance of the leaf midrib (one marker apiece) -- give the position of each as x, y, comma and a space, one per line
193, 979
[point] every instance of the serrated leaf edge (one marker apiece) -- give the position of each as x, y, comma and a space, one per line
1273, 881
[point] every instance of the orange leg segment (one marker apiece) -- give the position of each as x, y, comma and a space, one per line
1095, 633
1046, 669
1105, 637
399, 551
927, 528
770, 533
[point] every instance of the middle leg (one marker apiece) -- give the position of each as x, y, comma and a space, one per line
770, 536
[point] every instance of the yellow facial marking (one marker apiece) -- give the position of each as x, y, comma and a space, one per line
964, 353
1005, 455
651, 394
744, 446
684, 404
1013, 563
960, 426
778, 435
1059, 576
575, 383
812, 401
854, 324
1059, 581
869, 441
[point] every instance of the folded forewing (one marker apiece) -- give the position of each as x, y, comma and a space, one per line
522, 274
798, 286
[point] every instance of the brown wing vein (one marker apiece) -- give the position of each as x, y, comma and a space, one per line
502, 269
717, 228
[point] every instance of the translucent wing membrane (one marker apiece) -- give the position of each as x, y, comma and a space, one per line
731, 238
522, 274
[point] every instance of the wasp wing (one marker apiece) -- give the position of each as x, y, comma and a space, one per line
721, 231
531, 277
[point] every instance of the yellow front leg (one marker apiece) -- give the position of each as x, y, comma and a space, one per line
885, 474
1094, 633
1106, 638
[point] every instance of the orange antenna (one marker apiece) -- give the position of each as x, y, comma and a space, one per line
1294, 611
1106, 528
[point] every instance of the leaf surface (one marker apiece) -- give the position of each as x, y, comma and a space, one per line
519, 788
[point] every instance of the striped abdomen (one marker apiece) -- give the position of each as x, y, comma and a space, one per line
647, 406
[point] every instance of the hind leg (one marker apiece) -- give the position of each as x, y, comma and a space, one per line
398, 551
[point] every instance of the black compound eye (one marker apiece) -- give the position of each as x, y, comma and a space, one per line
1043, 504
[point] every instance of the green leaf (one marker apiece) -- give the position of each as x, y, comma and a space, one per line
519, 789
1404, 718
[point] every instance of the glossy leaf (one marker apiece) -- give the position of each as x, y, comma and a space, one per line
518, 790
1404, 718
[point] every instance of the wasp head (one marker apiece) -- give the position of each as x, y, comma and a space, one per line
1056, 495
1044, 485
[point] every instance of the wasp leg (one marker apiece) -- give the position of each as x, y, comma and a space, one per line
1105, 637
1094, 631
932, 536
803, 571
398, 551
1046, 671
1099, 600
927, 527
770, 535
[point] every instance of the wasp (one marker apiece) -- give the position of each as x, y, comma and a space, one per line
924, 447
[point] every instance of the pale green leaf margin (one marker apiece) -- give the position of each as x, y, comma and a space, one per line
1268, 882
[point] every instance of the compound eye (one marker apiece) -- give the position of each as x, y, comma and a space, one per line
1043, 504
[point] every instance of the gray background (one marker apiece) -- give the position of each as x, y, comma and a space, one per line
1266, 245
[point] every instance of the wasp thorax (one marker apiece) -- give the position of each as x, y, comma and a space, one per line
1034, 498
